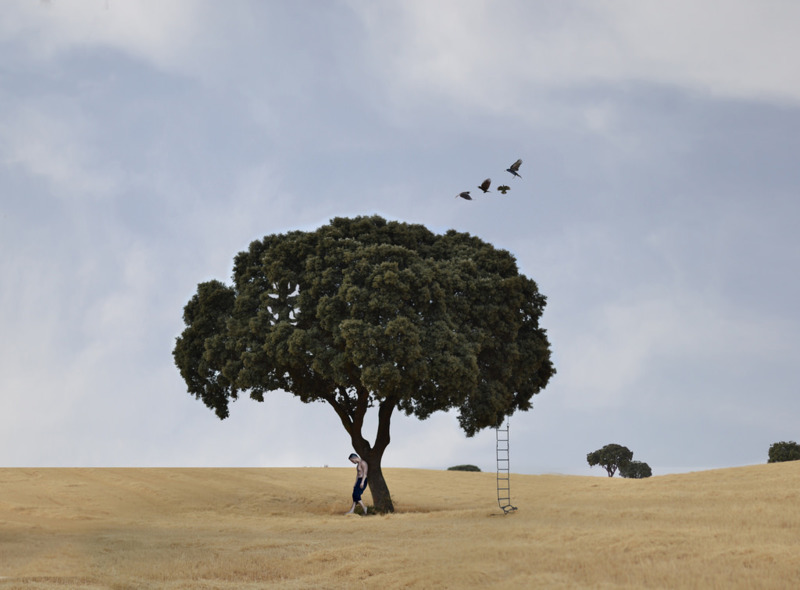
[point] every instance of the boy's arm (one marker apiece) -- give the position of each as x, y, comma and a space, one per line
363, 473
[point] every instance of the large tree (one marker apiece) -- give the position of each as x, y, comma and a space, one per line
362, 313
611, 457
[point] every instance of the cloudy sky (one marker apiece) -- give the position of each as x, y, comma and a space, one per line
143, 144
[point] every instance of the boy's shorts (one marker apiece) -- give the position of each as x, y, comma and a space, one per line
358, 490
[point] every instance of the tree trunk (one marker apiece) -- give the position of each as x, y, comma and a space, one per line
381, 497
352, 417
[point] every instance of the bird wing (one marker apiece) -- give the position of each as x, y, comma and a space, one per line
485, 184
515, 166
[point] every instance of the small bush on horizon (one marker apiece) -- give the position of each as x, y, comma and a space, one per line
464, 468
635, 470
784, 451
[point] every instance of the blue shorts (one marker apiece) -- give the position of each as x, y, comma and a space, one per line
358, 490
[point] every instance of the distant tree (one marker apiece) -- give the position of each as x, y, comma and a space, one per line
784, 451
464, 468
611, 457
364, 313
635, 470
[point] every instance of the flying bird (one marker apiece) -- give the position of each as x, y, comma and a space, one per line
503, 188
514, 168
464, 195
484, 186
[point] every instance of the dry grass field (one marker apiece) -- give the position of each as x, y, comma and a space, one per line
263, 528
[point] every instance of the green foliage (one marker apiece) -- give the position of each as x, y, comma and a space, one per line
464, 468
365, 308
784, 451
199, 349
610, 457
635, 470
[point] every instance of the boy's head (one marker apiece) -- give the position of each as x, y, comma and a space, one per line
354, 458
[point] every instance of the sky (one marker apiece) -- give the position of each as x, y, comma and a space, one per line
144, 144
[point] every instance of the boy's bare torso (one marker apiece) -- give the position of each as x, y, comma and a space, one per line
361, 469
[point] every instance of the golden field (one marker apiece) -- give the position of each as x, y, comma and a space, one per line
263, 528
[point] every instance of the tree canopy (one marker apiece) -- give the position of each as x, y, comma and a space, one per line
365, 312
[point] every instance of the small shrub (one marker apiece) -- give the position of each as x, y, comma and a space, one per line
784, 451
464, 468
635, 470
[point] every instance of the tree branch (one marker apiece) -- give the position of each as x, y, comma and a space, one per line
341, 411
382, 437
362, 402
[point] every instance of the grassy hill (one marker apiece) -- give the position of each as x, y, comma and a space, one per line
260, 528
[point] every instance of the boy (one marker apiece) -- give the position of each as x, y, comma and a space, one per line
361, 483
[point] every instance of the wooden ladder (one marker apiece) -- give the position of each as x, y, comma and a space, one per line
503, 470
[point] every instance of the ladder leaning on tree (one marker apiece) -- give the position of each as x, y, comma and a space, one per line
503, 470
